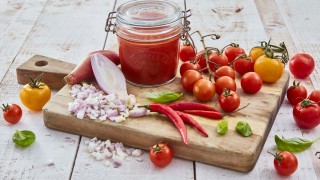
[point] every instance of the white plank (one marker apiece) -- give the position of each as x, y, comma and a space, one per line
65, 30
178, 169
16, 20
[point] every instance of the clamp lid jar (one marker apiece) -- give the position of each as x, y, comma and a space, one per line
148, 35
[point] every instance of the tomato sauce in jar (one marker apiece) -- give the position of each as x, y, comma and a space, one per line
148, 38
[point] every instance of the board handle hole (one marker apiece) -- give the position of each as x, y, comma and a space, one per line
41, 63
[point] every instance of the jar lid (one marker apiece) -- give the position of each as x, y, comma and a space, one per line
148, 13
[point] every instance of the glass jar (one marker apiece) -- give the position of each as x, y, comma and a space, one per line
148, 35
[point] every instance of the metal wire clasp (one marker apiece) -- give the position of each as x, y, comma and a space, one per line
186, 24
110, 24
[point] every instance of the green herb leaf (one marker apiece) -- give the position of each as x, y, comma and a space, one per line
23, 138
243, 128
222, 127
293, 144
163, 96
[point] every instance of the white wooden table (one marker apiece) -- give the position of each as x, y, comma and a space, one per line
68, 30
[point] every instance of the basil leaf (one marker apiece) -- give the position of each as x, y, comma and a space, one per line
23, 138
292, 144
243, 128
222, 127
163, 96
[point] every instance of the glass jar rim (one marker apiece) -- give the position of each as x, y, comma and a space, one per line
146, 13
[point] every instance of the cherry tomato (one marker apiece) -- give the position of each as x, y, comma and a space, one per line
204, 90
233, 51
285, 163
189, 78
35, 96
186, 52
251, 82
161, 155
301, 65
189, 66
224, 71
225, 82
201, 60
255, 53
12, 113
229, 100
243, 65
315, 96
216, 60
307, 114
296, 93
270, 70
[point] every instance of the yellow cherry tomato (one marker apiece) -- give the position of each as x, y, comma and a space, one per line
255, 53
35, 95
270, 70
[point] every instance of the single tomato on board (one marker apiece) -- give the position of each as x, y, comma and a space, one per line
296, 93
161, 155
12, 113
217, 60
301, 65
243, 65
189, 66
224, 71
232, 51
225, 82
255, 53
269, 69
229, 100
307, 114
35, 94
189, 78
186, 52
251, 82
204, 90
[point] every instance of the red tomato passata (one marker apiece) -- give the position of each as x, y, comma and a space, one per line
186, 53
251, 82
243, 65
315, 96
161, 155
307, 114
224, 71
301, 65
225, 82
12, 113
189, 78
204, 90
296, 93
189, 66
217, 60
233, 51
229, 100
285, 163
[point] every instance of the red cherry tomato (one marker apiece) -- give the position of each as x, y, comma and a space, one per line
233, 51
307, 114
189, 78
315, 96
301, 65
12, 113
161, 155
186, 53
216, 60
251, 82
285, 163
189, 66
296, 93
243, 65
224, 71
225, 82
204, 90
229, 100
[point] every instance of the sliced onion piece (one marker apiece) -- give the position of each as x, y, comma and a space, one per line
108, 75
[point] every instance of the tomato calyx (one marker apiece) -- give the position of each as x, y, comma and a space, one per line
307, 102
5, 107
158, 148
276, 157
226, 92
36, 83
295, 84
275, 52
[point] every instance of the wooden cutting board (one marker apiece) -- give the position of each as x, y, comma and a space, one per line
230, 151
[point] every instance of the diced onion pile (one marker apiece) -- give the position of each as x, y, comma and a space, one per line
109, 153
94, 104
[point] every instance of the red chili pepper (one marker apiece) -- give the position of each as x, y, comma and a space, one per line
173, 116
209, 114
181, 106
189, 120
